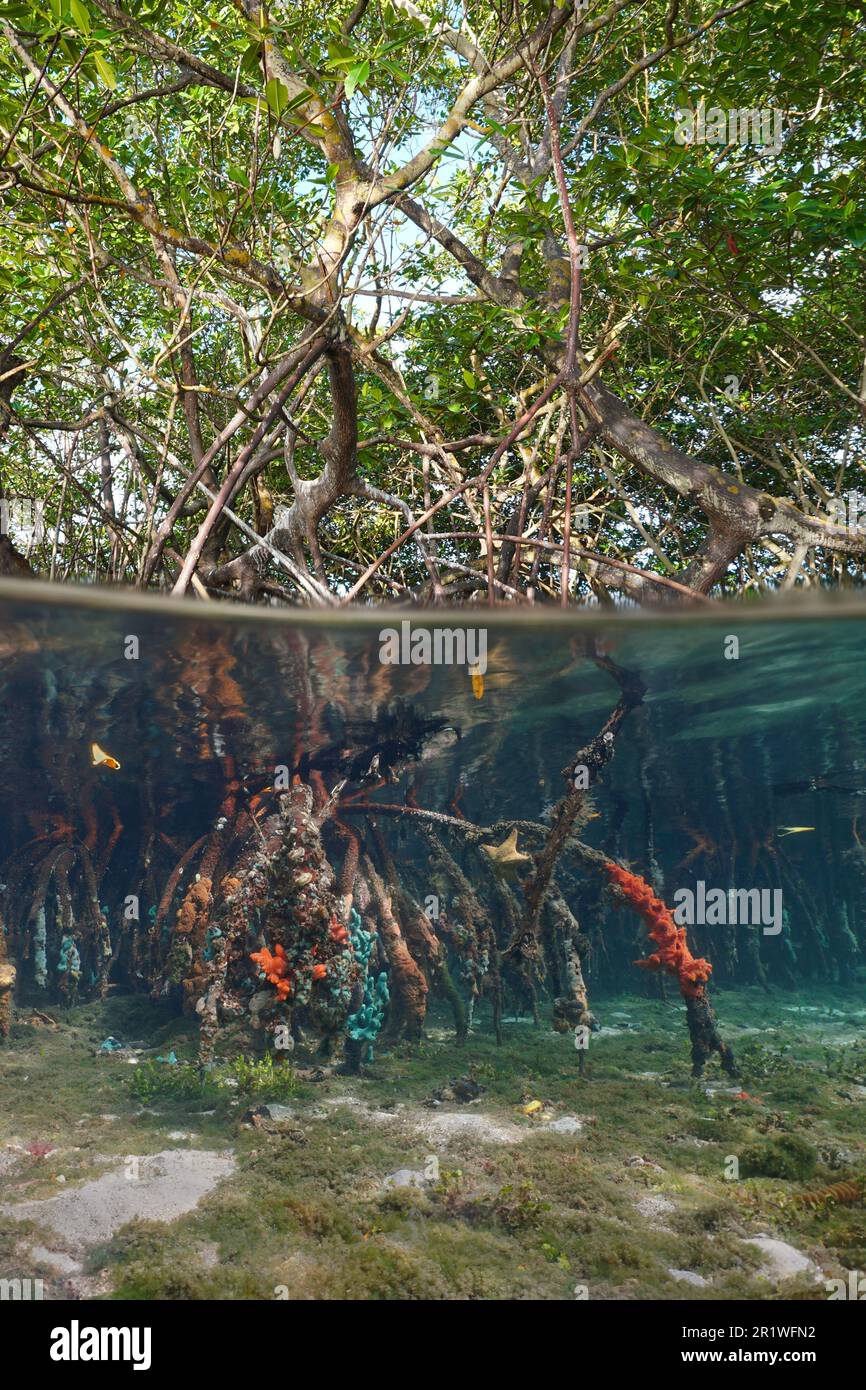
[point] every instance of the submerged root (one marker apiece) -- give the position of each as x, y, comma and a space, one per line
409, 987
704, 1034
673, 955
570, 1007
7, 986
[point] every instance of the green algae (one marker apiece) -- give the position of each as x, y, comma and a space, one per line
786, 1157
640, 1190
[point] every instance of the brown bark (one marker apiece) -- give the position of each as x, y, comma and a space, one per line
408, 987
524, 944
7, 985
572, 1006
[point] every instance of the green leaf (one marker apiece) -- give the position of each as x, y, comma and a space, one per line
277, 96
237, 175
106, 72
250, 58
469, 379
317, 131
80, 16
340, 54
357, 76
395, 70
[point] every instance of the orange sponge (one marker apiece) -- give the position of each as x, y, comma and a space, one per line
275, 967
673, 952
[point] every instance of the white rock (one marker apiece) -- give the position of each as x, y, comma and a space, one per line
443, 1127
280, 1113
688, 1276
55, 1260
405, 1177
566, 1124
782, 1261
654, 1208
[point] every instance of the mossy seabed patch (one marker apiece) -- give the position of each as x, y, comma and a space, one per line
306, 1215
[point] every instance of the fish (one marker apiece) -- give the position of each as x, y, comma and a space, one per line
477, 682
793, 829
99, 758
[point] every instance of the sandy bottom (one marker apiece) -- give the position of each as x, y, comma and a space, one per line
159, 1187
447, 1127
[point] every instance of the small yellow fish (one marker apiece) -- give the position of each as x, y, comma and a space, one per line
477, 682
101, 759
794, 829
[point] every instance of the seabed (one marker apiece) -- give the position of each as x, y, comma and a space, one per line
315, 1185
233, 1052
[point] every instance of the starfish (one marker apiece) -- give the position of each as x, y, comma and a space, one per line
506, 856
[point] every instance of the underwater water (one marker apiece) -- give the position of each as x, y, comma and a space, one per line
288, 1011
